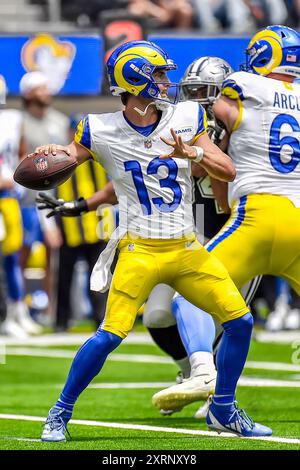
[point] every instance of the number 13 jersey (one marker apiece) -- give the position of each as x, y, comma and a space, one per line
155, 196
265, 142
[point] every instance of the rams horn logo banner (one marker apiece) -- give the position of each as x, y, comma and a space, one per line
51, 56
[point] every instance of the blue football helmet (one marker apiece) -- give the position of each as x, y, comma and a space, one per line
275, 49
131, 67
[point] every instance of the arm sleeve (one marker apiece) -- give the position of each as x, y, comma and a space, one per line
202, 123
235, 87
83, 135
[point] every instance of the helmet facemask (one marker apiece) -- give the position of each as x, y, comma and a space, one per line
203, 79
206, 94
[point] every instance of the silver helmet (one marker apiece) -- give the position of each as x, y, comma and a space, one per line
203, 79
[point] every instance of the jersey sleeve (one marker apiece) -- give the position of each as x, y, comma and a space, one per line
83, 135
237, 86
201, 123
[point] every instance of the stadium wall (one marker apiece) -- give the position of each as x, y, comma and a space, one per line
75, 64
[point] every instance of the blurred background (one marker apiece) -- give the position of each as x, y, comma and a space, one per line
52, 60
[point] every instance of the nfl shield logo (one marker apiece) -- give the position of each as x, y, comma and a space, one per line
41, 164
148, 144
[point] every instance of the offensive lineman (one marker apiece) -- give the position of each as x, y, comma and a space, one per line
261, 112
155, 237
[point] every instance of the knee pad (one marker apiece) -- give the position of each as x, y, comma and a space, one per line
158, 310
158, 318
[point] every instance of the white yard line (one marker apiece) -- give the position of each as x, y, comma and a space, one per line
141, 358
278, 366
70, 339
144, 427
243, 382
76, 339
280, 337
13, 438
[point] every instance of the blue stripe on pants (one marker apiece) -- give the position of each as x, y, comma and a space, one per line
230, 230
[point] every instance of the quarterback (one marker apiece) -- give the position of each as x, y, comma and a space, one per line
155, 237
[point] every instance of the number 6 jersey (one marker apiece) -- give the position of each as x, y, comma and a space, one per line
265, 142
155, 196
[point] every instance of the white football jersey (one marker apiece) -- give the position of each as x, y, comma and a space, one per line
265, 142
155, 196
11, 129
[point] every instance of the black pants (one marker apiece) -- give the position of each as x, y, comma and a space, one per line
67, 259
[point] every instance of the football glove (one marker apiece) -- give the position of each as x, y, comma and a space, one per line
61, 207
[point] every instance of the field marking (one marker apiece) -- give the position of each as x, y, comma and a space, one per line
63, 354
76, 339
141, 358
243, 382
13, 438
279, 337
145, 427
70, 339
277, 366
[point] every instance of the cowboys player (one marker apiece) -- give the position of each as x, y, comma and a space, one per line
156, 239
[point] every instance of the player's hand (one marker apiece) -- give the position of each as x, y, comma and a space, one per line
61, 207
52, 148
180, 149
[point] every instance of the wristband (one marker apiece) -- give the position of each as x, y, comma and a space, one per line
199, 152
82, 205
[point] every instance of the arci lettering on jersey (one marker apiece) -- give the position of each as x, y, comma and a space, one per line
286, 101
155, 196
265, 141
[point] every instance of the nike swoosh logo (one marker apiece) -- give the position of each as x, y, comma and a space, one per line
208, 381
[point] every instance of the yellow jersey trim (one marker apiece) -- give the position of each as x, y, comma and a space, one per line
240, 116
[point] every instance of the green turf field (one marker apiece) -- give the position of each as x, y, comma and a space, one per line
124, 418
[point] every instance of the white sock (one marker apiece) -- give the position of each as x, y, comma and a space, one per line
185, 366
201, 363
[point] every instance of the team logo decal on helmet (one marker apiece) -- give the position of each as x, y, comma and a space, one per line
131, 67
275, 49
203, 79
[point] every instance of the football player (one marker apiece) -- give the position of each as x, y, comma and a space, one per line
156, 236
12, 147
201, 82
260, 109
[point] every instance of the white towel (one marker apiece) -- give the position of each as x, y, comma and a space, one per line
101, 275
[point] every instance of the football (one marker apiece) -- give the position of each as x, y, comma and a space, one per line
41, 172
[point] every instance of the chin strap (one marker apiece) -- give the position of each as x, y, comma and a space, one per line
143, 113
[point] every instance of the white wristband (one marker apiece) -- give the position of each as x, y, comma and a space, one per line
199, 152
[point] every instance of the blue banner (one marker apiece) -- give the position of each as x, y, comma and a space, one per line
73, 64
184, 50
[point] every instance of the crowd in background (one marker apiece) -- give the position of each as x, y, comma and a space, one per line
207, 16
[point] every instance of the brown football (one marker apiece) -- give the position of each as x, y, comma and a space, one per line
40, 171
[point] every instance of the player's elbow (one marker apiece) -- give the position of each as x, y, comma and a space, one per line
230, 170
231, 174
